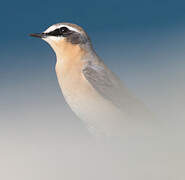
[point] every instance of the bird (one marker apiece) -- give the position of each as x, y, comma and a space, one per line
94, 93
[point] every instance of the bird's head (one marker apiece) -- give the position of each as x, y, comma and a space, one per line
64, 36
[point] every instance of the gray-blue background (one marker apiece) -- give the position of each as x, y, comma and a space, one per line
142, 41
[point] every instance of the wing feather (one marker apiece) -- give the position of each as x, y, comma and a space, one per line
108, 85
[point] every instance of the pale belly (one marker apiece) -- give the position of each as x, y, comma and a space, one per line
90, 108
99, 115
97, 112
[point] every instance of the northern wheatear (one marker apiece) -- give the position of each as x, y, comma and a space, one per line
93, 92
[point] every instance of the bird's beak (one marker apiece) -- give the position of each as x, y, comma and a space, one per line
38, 35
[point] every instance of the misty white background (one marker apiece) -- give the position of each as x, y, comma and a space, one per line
40, 138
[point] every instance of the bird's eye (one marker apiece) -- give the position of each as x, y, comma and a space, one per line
64, 30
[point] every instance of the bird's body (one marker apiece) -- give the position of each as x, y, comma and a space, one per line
81, 96
93, 92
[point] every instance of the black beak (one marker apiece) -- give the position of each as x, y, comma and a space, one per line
38, 35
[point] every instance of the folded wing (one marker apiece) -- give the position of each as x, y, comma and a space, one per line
108, 85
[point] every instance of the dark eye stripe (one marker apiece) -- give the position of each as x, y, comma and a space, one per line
56, 32
63, 31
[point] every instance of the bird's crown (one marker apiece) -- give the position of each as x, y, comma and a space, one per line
70, 32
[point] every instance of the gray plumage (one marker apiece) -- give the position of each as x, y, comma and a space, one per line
111, 88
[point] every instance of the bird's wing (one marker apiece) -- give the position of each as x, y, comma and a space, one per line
108, 85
